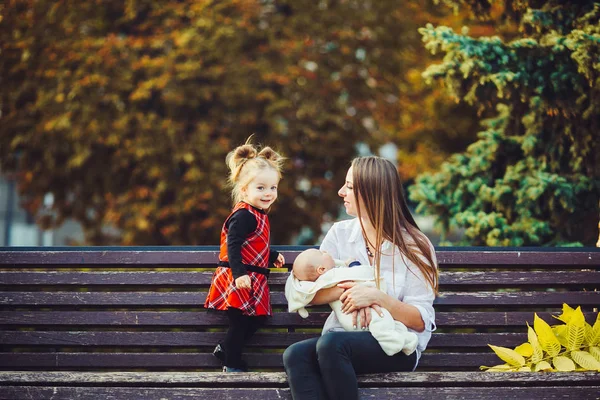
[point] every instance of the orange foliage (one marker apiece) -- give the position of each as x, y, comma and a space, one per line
125, 110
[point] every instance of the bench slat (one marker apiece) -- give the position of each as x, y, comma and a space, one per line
181, 361
279, 379
75, 393
175, 319
208, 254
529, 299
415, 393
141, 319
191, 279
196, 299
209, 339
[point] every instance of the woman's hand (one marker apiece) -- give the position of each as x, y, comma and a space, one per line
356, 297
243, 282
365, 316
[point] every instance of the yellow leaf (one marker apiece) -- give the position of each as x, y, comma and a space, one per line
141, 93
595, 352
525, 349
548, 341
63, 122
586, 360
508, 355
78, 159
543, 366
576, 330
184, 38
560, 331
562, 363
112, 140
142, 224
567, 313
538, 353
593, 336
188, 158
498, 368
49, 125
524, 369
17, 141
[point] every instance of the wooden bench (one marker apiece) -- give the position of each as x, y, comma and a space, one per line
128, 323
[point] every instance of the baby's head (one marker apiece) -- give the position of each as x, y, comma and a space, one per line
312, 263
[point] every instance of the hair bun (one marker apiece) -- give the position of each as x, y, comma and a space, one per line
269, 154
243, 153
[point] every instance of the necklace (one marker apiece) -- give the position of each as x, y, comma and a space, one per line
369, 252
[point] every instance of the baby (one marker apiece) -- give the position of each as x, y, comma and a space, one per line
312, 263
314, 270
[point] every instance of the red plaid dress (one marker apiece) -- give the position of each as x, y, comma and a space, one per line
255, 251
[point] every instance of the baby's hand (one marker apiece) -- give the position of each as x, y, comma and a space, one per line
243, 282
348, 261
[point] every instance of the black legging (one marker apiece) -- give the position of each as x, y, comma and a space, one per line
241, 329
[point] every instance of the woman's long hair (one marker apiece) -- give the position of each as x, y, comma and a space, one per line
378, 189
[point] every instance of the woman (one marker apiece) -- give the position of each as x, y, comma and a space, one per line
385, 235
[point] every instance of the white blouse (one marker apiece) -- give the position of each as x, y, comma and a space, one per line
345, 240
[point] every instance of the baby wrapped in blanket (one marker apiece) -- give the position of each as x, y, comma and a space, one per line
314, 270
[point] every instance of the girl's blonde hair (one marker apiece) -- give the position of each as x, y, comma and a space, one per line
246, 161
378, 187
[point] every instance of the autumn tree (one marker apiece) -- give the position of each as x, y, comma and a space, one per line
533, 176
124, 111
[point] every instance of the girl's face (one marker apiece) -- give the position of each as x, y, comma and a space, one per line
261, 192
346, 192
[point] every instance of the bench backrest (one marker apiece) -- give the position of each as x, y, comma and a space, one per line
141, 308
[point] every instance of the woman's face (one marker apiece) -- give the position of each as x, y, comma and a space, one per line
346, 192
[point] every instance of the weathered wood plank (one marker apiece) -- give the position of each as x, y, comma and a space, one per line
208, 339
110, 256
415, 393
114, 278
198, 255
518, 256
202, 279
279, 379
140, 339
172, 319
442, 361
518, 279
528, 299
117, 393
115, 299
196, 299
316, 319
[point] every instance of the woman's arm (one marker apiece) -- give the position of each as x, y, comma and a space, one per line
406, 313
325, 296
357, 297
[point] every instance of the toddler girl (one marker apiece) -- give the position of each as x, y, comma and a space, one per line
239, 284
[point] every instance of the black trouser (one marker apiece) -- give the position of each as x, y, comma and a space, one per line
241, 329
326, 367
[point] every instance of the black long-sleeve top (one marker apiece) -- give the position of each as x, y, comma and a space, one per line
240, 225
